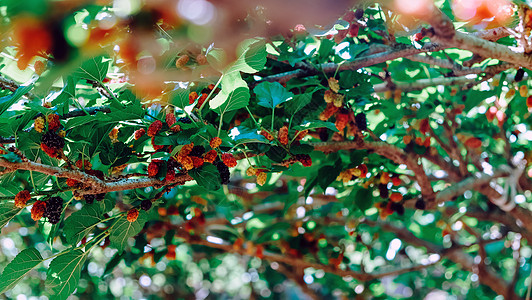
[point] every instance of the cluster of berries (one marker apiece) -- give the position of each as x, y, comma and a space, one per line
344, 117
52, 141
51, 209
353, 173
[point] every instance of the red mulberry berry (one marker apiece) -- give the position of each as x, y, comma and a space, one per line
424, 126
71, 182
21, 198
304, 159
341, 121
196, 161
156, 147
170, 119
283, 135
267, 135
113, 134
139, 133
132, 215
52, 140
328, 112
53, 122
186, 150
229, 160
170, 175
210, 156
89, 198
215, 142
176, 128
192, 97
201, 59
154, 128
197, 151
153, 169
38, 210
83, 164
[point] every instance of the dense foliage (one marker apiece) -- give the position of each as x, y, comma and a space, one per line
193, 148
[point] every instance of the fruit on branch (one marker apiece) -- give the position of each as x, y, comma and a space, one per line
53, 122
197, 151
132, 215
38, 124
153, 168
39, 67
267, 135
523, 91
71, 182
361, 122
383, 190
201, 59
333, 84
83, 164
420, 204
229, 160
52, 144
261, 178
113, 135
342, 119
398, 208
251, 171
396, 197
201, 100
210, 156
145, 204
175, 128
304, 159
424, 126
215, 142
518, 75
328, 112
182, 61
170, 119
192, 96
139, 133
223, 170
154, 128
32, 38
37, 210
54, 207
196, 161
282, 135
529, 102
21, 198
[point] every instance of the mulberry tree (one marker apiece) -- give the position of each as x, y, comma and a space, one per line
288, 149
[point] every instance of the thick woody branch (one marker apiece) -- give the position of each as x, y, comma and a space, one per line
93, 184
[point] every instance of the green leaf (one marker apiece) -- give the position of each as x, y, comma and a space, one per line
207, 176
63, 274
328, 174
271, 94
21, 265
233, 95
7, 101
296, 104
122, 230
236, 99
7, 212
94, 69
80, 223
363, 198
276, 153
251, 55
179, 98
